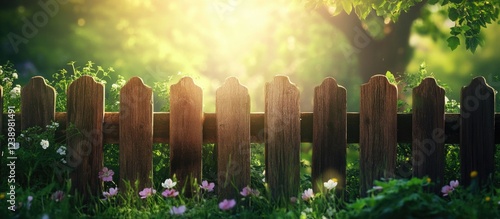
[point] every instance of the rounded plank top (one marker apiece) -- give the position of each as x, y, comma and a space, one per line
428, 83
380, 80
232, 84
38, 103
481, 82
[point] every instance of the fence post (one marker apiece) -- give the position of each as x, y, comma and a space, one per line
282, 138
186, 137
377, 131
38, 105
136, 133
329, 134
428, 157
86, 112
477, 131
233, 138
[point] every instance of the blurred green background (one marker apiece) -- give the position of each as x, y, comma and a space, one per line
211, 40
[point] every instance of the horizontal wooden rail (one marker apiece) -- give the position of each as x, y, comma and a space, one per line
161, 127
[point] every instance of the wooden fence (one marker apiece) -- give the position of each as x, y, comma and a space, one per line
282, 127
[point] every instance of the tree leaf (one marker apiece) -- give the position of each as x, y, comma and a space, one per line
390, 77
465, 28
453, 42
347, 6
453, 14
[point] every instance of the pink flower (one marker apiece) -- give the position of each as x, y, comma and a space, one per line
446, 190
58, 196
106, 174
112, 192
147, 192
249, 191
170, 193
207, 186
178, 210
308, 194
293, 200
454, 183
227, 204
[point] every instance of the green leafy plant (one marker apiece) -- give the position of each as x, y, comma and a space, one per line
11, 90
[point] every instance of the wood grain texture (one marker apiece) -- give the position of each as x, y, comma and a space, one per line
282, 137
477, 133
161, 127
136, 133
186, 122
377, 131
428, 154
233, 138
85, 108
329, 134
38, 103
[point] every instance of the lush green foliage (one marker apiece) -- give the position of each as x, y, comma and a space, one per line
469, 17
43, 188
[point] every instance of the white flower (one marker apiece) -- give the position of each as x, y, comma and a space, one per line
14, 75
15, 92
168, 184
15, 146
331, 184
264, 179
61, 150
44, 144
1, 72
115, 86
55, 124
63, 160
330, 211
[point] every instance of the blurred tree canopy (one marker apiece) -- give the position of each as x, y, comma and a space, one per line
252, 40
380, 29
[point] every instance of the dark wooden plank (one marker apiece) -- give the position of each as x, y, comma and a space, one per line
477, 134
428, 155
282, 137
86, 112
38, 103
377, 131
233, 139
186, 121
329, 134
136, 133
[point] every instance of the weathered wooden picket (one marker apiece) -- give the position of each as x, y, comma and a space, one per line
282, 127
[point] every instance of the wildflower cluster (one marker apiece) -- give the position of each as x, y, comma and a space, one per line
8, 77
106, 175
